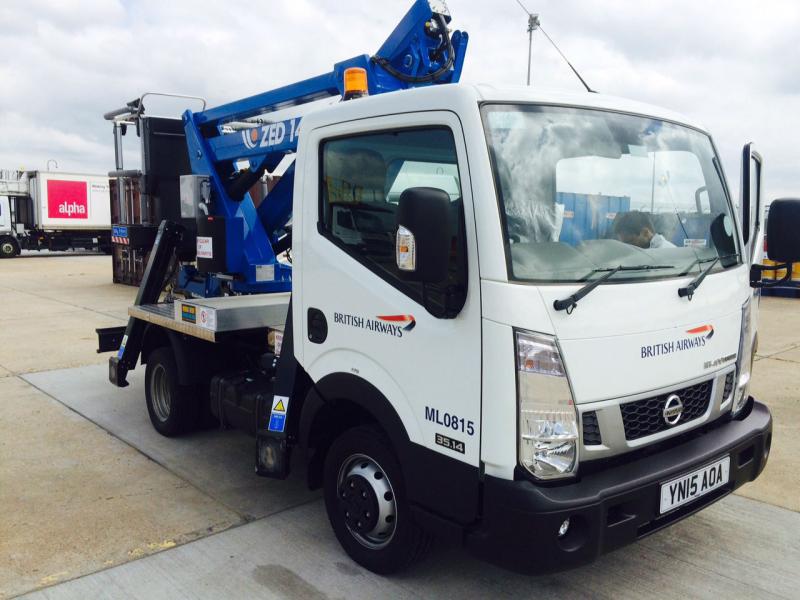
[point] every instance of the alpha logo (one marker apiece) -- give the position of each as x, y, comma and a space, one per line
408, 321
71, 210
673, 409
698, 337
392, 325
67, 199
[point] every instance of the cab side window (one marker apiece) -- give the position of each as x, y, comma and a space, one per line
362, 179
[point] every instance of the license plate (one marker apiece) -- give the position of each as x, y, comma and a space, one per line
691, 486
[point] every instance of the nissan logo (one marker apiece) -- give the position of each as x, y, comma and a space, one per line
673, 409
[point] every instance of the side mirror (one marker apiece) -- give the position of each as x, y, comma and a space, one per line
783, 243
422, 247
783, 226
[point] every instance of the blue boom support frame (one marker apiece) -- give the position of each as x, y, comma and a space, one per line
415, 54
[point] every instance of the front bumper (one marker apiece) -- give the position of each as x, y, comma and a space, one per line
611, 507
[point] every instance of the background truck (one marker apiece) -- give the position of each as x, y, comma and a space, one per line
41, 210
480, 313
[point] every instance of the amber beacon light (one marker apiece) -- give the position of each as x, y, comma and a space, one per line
355, 83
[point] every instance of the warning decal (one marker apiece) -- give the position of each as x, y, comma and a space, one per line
277, 419
189, 313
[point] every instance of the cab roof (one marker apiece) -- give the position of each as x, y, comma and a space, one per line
464, 95
492, 93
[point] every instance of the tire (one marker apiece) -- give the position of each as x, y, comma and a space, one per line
366, 503
173, 408
9, 248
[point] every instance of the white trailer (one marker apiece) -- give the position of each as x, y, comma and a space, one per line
42, 210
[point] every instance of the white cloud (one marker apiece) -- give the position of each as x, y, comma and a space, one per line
732, 65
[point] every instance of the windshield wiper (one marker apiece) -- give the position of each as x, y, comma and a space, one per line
688, 290
570, 302
702, 261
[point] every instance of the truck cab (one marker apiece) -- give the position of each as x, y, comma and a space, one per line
5, 215
9, 225
516, 398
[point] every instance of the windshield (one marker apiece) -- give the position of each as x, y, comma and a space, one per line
582, 190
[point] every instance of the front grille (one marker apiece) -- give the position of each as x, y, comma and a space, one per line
591, 430
645, 417
726, 393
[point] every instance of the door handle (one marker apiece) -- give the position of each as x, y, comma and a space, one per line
317, 326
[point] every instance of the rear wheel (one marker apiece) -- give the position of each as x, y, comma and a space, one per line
9, 247
173, 408
366, 503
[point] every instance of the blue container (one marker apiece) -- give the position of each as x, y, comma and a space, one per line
589, 216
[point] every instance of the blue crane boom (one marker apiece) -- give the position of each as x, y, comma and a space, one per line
420, 51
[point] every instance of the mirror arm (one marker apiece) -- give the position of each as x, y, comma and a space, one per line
756, 272
429, 306
448, 293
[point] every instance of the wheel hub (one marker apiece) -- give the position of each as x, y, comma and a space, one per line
159, 391
367, 501
359, 503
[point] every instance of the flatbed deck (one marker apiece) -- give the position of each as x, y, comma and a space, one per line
210, 319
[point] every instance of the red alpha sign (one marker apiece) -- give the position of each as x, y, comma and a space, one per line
67, 199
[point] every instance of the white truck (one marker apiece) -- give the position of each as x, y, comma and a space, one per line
549, 364
53, 210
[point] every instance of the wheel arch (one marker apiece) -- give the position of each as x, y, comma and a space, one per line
154, 337
191, 355
435, 482
336, 403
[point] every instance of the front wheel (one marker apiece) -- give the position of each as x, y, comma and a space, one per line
172, 407
9, 247
366, 503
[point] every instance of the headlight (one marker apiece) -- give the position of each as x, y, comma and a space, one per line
548, 425
744, 362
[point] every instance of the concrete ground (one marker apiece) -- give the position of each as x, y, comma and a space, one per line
96, 504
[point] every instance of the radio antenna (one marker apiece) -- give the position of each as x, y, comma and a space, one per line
533, 24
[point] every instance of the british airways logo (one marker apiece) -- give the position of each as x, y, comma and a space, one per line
408, 322
392, 325
698, 337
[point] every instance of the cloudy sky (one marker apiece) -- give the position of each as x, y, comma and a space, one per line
730, 64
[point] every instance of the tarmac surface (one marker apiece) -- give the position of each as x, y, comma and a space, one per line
97, 505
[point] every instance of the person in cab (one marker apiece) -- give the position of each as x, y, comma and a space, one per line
636, 228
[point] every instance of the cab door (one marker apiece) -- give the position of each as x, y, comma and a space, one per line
418, 345
752, 207
751, 217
